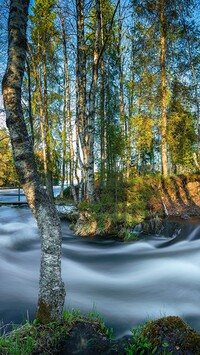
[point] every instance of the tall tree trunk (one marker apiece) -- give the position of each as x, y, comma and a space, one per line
65, 99
40, 101
121, 95
48, 173
51, 291
64, 137
67, 116
79, 161
130, 110
86, 122
44, 123
102, 107
163, 90
81, 119
30, 101
92, 109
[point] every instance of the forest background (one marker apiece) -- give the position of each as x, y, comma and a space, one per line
110, 94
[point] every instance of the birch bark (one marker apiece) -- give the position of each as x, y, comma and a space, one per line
121, 98
92, 109
30, 101
81, 120
102, 105
67, 124
51, 291
163, 90
47, 136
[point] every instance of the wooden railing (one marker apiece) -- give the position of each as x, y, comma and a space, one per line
18, 195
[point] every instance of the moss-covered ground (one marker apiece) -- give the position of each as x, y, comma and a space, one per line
76, 334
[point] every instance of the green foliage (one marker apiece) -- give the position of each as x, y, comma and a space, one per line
120, 207
182, 138
138, 51
46, 97
107, 331
70, 315
123, 206
143, 132
161, 336
34, 337
14, 345
8, 175
128, 235
43, 19
140, 344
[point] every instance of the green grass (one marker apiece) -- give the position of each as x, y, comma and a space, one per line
142, 345
32, 337
46, 339
154, 337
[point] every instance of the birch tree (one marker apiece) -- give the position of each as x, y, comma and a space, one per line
92, 108
163, 88
121, 92
81, 87
42, 50
51, 291
67, 124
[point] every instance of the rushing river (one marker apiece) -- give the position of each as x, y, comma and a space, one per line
128, 283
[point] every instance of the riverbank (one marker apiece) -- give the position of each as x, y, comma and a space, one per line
76, 334
143, 201
181, 195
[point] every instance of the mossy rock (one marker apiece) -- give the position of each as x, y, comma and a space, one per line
171, 335
87, 337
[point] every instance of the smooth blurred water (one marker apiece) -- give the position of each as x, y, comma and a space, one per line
128, 283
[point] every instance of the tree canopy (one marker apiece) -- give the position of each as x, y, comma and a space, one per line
111, 89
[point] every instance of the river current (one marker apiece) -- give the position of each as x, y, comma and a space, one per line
127, 283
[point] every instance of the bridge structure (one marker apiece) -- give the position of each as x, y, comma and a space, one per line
13, 203
16, 197
12, 197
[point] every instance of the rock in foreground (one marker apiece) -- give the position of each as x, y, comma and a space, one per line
171, 335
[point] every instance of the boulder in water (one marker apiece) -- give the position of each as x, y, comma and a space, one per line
171, 335
70, 212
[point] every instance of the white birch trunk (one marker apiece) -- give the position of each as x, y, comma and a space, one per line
121, 99
102, 108
163, 91
51, 291
81, 119
92, 109
67, 115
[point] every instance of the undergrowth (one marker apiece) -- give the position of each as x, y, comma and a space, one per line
33, 337
121, 207
141, 345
